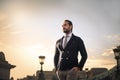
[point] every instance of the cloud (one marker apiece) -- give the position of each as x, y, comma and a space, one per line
113, 39
108, 63
114, 36
100, 62
107, 52
105, 59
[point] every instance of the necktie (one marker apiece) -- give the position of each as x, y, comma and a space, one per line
65, 41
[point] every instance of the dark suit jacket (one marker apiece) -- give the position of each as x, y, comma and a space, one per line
70, 54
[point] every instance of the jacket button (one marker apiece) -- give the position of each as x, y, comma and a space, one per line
67, 51
67, 58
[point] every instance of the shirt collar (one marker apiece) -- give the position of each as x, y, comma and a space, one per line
69, 35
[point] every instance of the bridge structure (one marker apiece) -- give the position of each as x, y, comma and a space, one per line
107, 75
113, 73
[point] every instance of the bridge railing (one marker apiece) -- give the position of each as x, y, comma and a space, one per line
105, 75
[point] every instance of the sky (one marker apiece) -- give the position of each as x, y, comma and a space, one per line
30, 28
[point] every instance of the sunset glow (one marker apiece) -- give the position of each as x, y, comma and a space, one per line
29, 29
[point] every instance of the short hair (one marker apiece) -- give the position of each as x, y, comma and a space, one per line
69, 22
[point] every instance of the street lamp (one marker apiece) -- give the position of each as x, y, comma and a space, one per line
86, 70
41, 74
117, 57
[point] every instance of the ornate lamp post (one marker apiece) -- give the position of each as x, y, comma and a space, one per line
86, 70
41, 74
117, 57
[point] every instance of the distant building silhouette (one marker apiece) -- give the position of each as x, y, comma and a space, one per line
48, 75
95, 71
5, 68
92, 73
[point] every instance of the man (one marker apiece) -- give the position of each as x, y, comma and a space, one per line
66, 54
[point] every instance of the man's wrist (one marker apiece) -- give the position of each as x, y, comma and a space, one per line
78, 68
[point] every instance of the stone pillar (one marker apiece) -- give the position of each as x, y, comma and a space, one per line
4, 67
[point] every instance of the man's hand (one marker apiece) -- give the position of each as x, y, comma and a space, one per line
76, 68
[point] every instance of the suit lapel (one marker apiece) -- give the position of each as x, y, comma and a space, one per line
61, 41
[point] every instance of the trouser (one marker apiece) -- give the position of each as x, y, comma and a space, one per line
68, 75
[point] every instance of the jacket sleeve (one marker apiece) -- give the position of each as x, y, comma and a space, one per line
56, 57
83, 54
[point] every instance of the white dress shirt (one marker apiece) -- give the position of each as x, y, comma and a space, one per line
68, 38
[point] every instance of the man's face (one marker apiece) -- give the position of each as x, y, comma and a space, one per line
66, 27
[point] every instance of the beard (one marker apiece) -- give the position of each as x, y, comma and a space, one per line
66, 30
